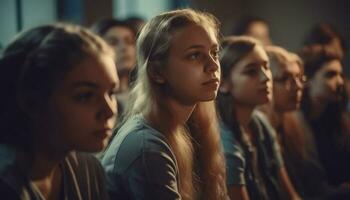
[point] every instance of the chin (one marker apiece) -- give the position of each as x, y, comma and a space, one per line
209, 97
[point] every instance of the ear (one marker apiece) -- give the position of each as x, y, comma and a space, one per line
225, 87
155, 73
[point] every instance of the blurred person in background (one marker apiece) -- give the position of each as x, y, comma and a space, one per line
255, 168
121, 37
255, 27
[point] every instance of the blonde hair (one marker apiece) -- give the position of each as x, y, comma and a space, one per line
153, 44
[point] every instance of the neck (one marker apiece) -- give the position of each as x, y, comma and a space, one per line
124, 82
168, 115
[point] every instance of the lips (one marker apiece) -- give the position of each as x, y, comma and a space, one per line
211, 81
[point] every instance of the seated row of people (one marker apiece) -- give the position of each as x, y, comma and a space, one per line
205, 118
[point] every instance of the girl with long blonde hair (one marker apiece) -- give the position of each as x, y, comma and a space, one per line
168, 145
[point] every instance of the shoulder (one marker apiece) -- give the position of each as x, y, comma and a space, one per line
133, 140
229, 140
84, 175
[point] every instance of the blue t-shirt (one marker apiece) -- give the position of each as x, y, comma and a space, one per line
239, 171
140, 164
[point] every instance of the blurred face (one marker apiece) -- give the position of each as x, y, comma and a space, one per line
327, 84
81, 112
192, 72
122, 39
250, 80
287, 86
260, 31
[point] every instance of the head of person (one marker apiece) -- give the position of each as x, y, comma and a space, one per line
177, 60
59, 82
246, 76
288, 78
255, 27
327, 35
324, 72
120, 36
136, 23
177, 57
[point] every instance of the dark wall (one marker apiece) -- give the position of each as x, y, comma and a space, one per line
290, 20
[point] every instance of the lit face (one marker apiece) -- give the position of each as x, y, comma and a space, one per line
122, 39
81, 112
192, 72
327, 84
250, 79
260, 31
287, 86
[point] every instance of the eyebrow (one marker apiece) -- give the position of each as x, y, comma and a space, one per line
85, 84
114, 85
263, 62
199, 46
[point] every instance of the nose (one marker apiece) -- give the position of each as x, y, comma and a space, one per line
265, 75
108, 108
212, 64
298, 83
340, 80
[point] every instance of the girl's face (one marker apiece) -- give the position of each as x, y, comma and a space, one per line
287, 86
327, 83
192, 72
122, 39
250, 80
81, 112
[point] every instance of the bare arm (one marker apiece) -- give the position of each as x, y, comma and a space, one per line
287, 185
238, 192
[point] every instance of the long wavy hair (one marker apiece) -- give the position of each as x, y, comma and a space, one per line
205, 177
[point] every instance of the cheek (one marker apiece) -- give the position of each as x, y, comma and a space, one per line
240, 87
74, 122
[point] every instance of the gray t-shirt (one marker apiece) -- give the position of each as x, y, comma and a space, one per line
140, 164
83, 179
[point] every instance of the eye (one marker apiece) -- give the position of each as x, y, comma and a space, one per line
330, 74
113, 93
251, 71
84, 97
215, 54
194, 56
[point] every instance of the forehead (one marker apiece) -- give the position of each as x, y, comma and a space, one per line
258, 54
257, 26
193, 34
97, 69
287, 67
118, 31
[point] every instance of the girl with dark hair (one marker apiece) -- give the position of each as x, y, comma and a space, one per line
60, 81
324, 110
255, 168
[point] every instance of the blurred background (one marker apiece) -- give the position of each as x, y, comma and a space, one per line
290, 20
